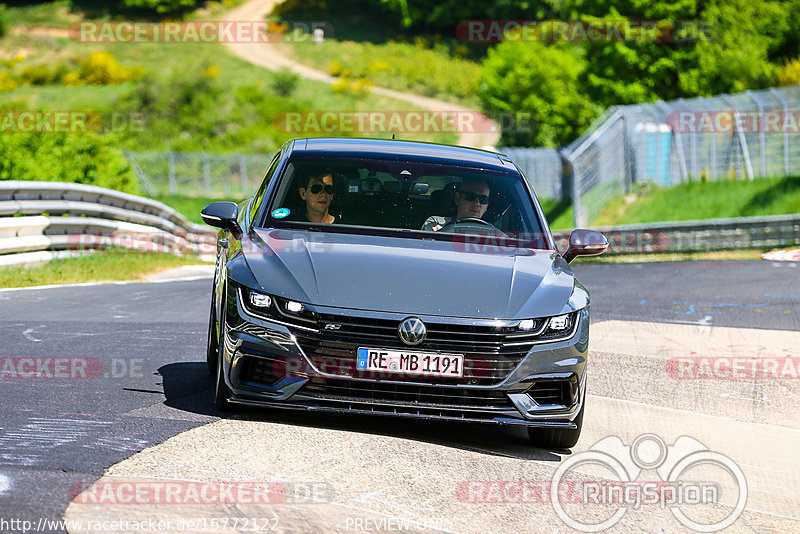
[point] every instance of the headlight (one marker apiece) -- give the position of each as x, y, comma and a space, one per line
560, 322
294, 307
260, 300
544, 328
272, 307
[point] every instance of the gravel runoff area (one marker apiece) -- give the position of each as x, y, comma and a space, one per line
379, 474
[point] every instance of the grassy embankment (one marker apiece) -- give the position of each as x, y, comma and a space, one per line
99, 267
414, 68
691, 201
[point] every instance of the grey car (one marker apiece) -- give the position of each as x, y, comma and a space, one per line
401, 279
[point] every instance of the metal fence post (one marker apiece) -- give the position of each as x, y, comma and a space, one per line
786, 166
207, 172
577, 219
146, 183
243, 174
762, 136
748, 166
173, 187
627, 151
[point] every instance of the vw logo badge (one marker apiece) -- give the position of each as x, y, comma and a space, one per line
412, 331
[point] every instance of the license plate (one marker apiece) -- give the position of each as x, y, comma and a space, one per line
400, 362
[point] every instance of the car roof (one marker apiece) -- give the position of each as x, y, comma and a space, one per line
347, 147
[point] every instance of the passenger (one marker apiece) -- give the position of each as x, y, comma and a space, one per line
318, 194
471, 200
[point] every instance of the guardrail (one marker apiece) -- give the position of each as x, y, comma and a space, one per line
82, 218
699, 236
37, 218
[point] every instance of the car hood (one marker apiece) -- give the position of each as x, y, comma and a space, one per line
413, 276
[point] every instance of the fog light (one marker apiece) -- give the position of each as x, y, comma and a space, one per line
260, 300
526, 324
560, 322
294, 307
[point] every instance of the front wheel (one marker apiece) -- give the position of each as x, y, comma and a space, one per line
557, 438
212, 344
221, 391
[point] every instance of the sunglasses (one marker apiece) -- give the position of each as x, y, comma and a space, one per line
470, 197
316, 189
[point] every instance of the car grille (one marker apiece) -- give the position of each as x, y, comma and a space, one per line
387, 397
261, 370
550, 392
490, 353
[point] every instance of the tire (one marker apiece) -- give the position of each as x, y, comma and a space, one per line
557, 438
221, 391
212, 344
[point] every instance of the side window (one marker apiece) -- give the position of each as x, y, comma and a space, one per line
261, 190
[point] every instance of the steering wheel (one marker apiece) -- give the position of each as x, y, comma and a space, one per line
468, 220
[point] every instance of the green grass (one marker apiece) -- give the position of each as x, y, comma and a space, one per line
255, 134
99, 267
190, 207
705, 200
51, 14
401, 66
721, 255
558, 213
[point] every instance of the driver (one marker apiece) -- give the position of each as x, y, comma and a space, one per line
318, 194
471, 200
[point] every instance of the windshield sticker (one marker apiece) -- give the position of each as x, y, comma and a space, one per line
280, 213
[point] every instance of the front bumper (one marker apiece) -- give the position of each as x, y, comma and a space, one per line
266, 366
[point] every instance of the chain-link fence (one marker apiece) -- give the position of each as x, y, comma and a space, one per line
742, 136
199, 173
542, 168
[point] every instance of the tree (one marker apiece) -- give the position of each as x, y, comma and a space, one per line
538, 85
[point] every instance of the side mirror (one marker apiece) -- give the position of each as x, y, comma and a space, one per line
585, 243
221, 215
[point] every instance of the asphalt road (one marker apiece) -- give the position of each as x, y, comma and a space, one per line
140, 378
122, 351
744, 294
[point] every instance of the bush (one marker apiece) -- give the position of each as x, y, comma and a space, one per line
540, 84
36, 75
4, 26
162, 7
102, 68
7, 81
285, 82
789, 74
80, 158
190, 111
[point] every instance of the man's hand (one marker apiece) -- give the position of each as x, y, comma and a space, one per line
436, 228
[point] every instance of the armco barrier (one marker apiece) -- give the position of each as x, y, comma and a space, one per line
699, 236
85, 218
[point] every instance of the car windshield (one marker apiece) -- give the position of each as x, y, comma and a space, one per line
436, 200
